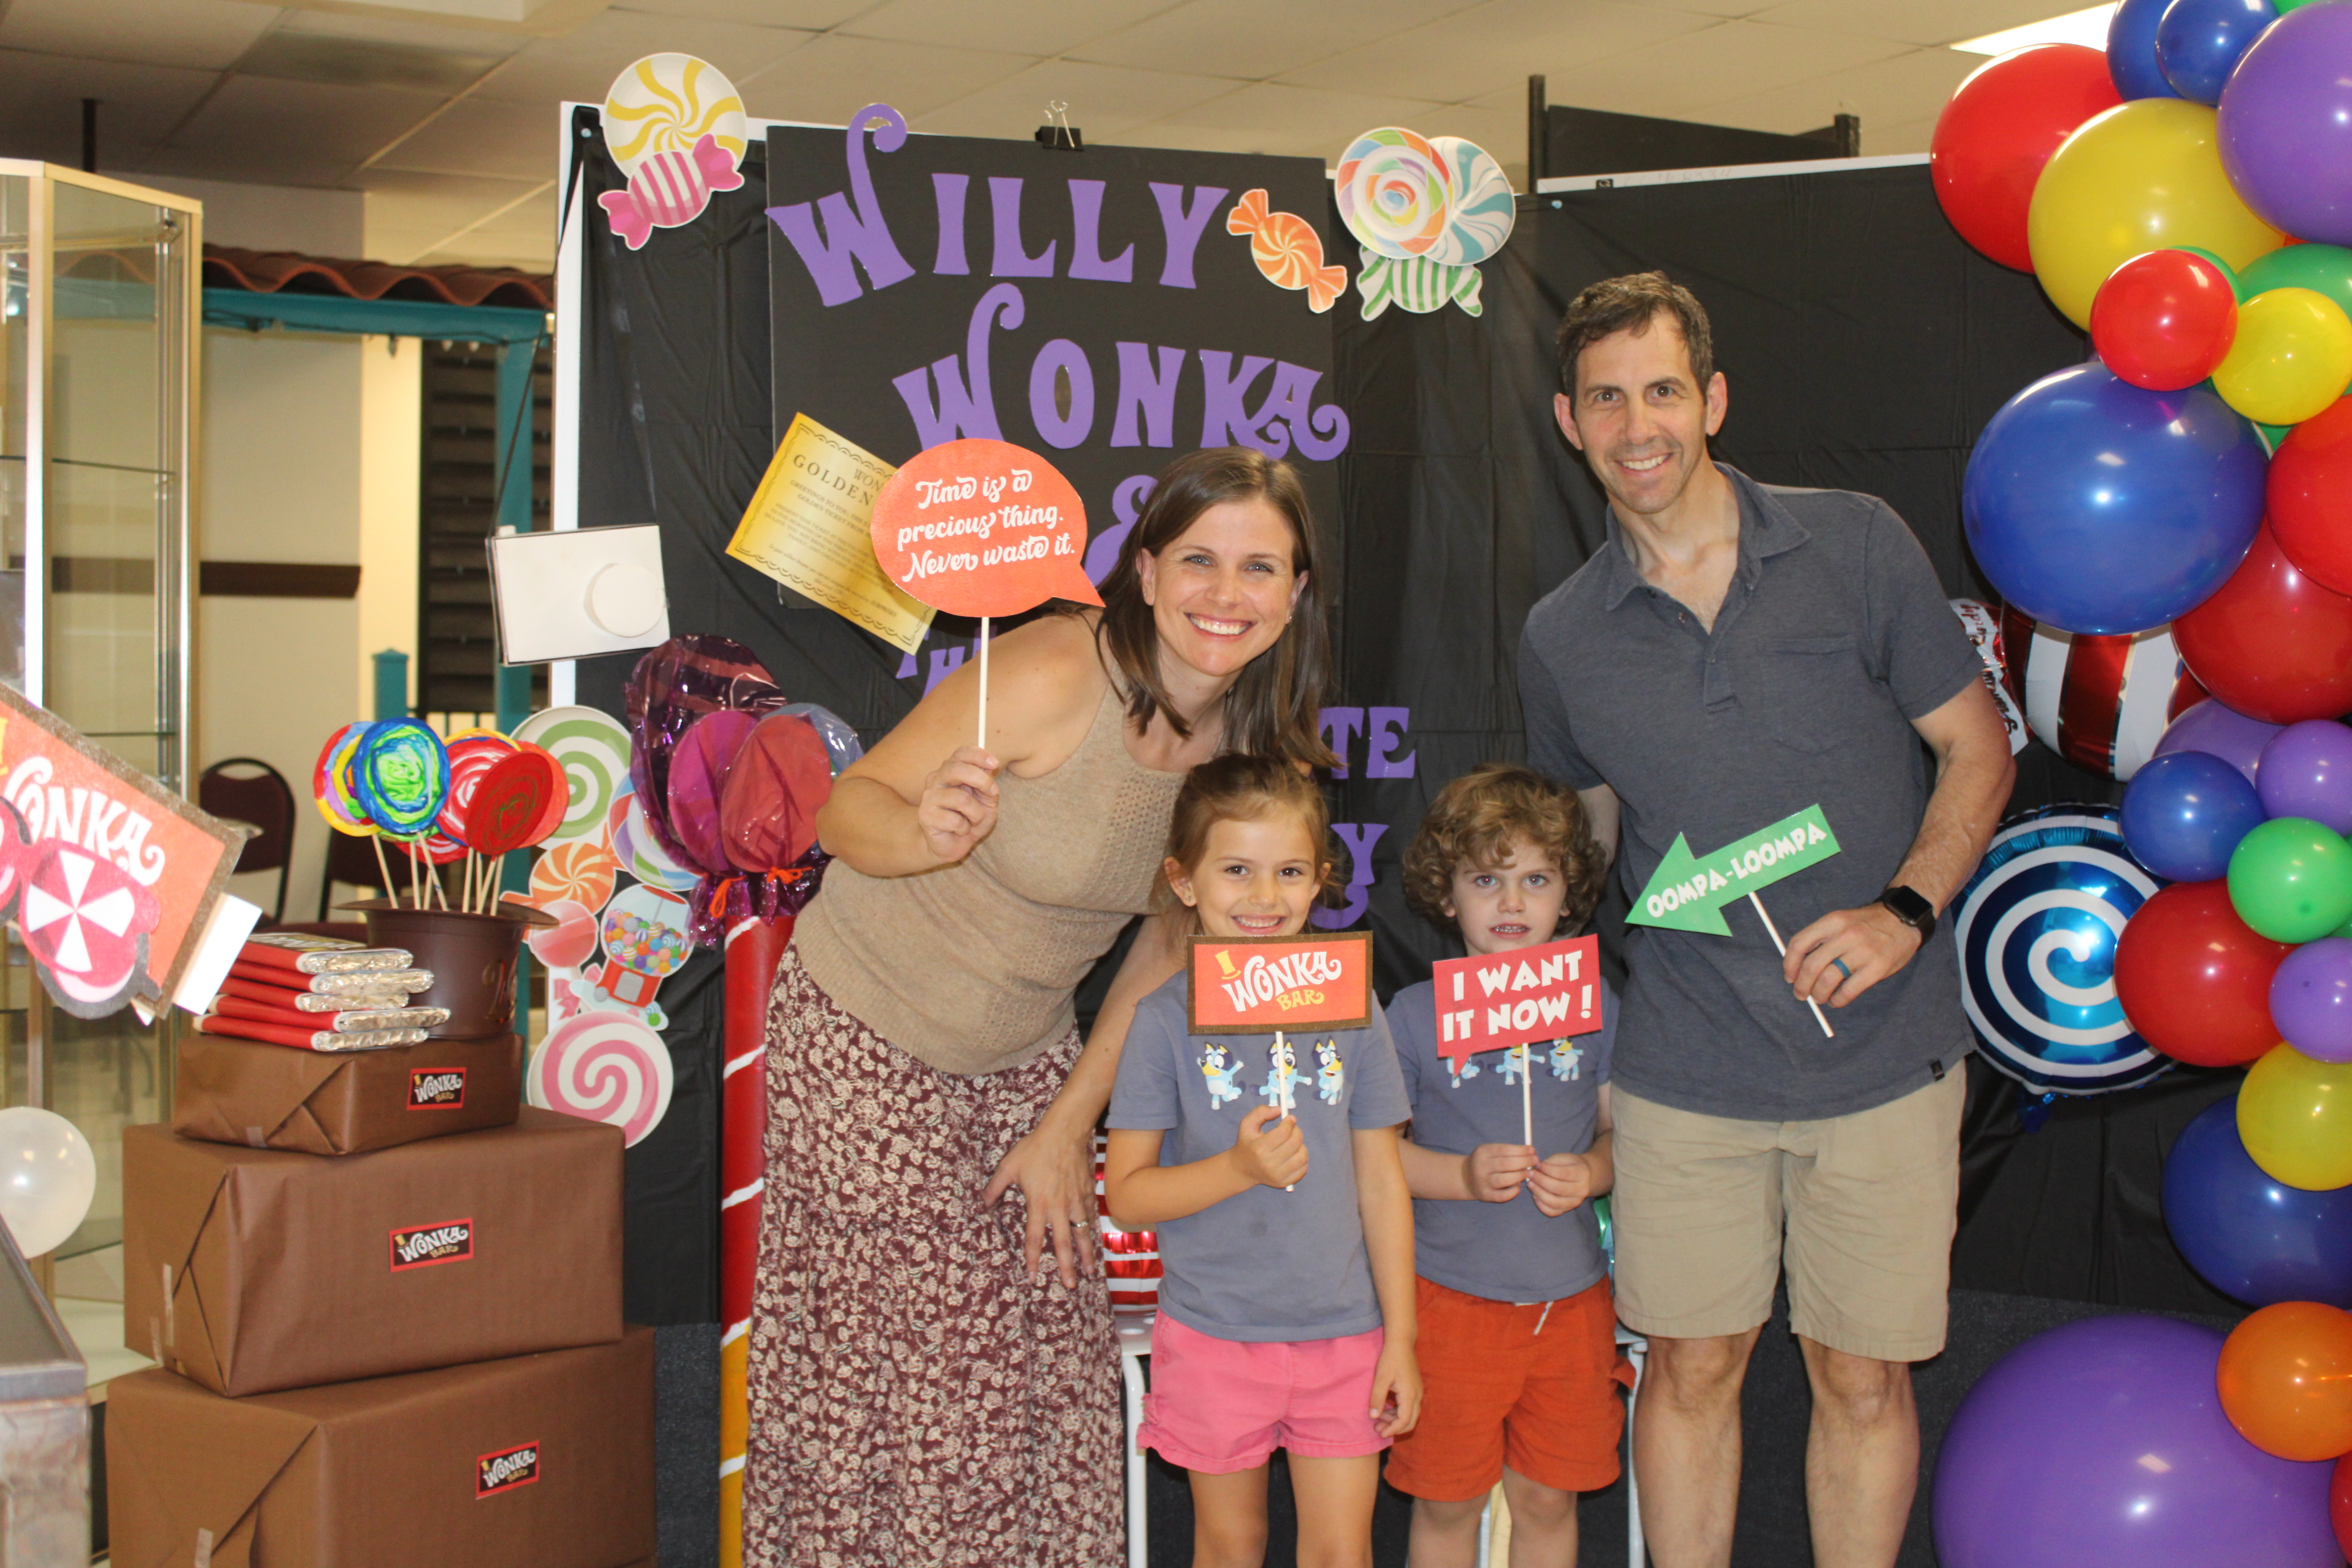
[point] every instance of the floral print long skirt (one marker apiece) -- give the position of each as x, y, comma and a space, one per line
916, 1401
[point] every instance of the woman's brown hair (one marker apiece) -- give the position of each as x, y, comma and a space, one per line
1274, 708
1240, 788
1472, 822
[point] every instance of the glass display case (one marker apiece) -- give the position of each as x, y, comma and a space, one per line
99, 307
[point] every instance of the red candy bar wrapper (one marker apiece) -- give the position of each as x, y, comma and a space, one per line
407, 981
358, 1021
307, 1039
318, 955
311, 1001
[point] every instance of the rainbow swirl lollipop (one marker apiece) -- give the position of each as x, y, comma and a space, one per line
401, 774
331, 785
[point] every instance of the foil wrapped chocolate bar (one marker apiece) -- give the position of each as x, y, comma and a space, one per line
318, 955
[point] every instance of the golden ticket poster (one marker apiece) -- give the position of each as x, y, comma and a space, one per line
809, 527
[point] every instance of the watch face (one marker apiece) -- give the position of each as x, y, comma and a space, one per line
1909, 906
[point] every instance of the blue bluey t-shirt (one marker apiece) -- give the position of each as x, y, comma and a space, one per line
1513, 1251
1266, 1265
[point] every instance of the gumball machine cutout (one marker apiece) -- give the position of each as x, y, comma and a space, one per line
643, 933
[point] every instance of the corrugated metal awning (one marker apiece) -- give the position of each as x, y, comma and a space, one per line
286, 271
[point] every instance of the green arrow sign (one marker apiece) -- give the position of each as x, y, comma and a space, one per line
1688, 893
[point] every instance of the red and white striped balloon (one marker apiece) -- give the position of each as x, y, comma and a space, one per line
2100, 702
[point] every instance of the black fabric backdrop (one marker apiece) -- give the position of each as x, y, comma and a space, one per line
1864, 344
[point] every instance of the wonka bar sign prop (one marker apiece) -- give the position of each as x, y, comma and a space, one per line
1095, 308
1488, 1001
1246, 986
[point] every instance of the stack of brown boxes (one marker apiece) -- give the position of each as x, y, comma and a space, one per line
386, 1300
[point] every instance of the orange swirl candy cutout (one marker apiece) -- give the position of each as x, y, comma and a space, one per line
1287, 250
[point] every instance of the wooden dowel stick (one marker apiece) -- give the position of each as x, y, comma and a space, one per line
983, 683
1783, 947
1528, 1095
391, 889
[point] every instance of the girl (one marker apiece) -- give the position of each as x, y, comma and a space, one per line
1286, 1310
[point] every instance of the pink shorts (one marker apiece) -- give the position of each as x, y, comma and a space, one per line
1220, 1405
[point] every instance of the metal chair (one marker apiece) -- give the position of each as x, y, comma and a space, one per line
262, 798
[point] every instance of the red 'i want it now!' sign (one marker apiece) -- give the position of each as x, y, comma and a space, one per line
1489, 1001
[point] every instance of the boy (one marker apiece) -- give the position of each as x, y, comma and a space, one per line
1517, 1339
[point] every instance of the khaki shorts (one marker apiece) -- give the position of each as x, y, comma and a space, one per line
1859, 1209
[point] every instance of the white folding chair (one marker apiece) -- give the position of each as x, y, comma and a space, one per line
1637, 1351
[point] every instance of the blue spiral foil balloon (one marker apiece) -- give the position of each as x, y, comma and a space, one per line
2037, 929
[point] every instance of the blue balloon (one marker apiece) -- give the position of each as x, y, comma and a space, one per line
2096, 506
2132, 64
2249, 1237
2036, 928
2184, 812
2197, 42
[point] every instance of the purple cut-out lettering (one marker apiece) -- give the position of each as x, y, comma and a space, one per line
850, 235
1183, 223
1359, 837
1153, 396
1086, 240
961, 409
1317, 433
1127, 505
1009, 260
946, 196
1225, 419
1339, 726
1387, 732
1062, 357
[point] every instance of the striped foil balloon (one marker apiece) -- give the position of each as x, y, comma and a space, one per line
2100, 702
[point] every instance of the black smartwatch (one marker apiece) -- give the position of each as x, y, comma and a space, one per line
1912, 909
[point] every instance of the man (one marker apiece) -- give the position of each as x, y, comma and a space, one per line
1736, 653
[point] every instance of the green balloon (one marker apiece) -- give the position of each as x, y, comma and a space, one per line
2272, 435
2321, 269
2236, 288
2291, 879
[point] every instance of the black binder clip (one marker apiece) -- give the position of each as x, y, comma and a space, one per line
1057, 131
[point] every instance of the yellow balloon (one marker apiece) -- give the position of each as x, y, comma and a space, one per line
2144, 176
2292, 357
2295, 1116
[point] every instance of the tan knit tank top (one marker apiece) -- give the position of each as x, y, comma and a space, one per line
969, 968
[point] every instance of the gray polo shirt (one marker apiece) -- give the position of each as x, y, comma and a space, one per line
1834, 636
1264, 1265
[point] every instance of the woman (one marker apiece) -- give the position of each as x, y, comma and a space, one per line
921, 1391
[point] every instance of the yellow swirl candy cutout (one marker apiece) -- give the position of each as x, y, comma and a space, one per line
668, 103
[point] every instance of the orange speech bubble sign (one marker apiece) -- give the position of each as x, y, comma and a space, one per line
978, 527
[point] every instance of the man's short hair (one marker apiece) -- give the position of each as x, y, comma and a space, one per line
1631, 303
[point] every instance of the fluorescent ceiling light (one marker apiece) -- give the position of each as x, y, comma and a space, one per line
2088, 27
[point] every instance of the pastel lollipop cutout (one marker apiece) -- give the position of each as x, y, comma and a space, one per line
593, 748
401, 774
1394, 189
604, 1067
666, 103
583, 874
1481, 209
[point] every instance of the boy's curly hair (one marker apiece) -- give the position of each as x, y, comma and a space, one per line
1472, 824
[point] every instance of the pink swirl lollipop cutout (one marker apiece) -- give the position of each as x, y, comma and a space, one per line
604, 1067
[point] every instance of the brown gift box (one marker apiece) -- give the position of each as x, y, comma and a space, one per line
319, 1102
252, 1269
536, 1461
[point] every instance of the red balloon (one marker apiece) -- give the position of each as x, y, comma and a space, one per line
2195, 980
2164, 319
2002, 125
2271, 642
2311, 496
2339, 1504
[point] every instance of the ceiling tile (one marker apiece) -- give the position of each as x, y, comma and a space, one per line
1266, 117
474, 136
1910, 86
379, 29
1106, 101
199, 34
1912, 21
832, 75
581, 67
310, 121
1479, 51
1253, 40
810, 16
40, 105
1020, 26
1727, 61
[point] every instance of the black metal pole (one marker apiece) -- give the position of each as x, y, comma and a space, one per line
1539, 136
89, 136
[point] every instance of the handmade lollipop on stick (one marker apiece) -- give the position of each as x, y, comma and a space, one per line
330, 787
510, 810
400, 773
472, 754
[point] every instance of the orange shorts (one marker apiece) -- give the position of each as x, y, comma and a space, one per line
1496, 1391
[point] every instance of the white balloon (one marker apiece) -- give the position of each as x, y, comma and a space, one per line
47, 1177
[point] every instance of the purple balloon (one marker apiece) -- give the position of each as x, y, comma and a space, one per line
2311, 999
2223, 732
2306, 771
2285, 124
2104, 1442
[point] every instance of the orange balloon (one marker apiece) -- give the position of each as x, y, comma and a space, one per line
2285, 1379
